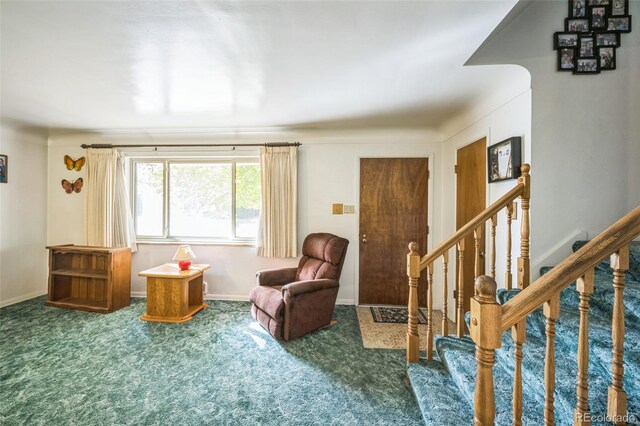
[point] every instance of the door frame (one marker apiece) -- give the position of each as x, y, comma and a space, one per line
356, 219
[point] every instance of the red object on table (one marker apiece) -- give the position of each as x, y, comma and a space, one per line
184, 264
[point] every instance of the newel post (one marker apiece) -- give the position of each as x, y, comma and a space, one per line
524, 267
486, 320
413, 272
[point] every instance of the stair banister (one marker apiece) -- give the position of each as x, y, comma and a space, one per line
545, 291
470, 226
416, 264
614, 238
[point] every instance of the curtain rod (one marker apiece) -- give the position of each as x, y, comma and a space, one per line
106, 145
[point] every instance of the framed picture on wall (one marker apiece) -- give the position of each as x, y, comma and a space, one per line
619, 23
587, 66
566, 59
587, 49
4, 164
577, 8
576, 25
563, 40
504, 160
607, 58
599, 16
607, 39
619, 7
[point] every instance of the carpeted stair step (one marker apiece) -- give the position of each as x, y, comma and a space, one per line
566, 377
458, 357
437, 395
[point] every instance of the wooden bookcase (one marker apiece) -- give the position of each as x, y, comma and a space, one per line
96, 279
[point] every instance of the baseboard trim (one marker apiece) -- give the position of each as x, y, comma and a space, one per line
557, 253
19, 299
236, 298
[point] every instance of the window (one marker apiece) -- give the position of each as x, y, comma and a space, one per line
196, 199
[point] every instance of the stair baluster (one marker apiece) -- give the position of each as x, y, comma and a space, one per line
477, 233
524, 275
551, 311
430, 312
494, 224
581, 414
485, 332
460, 293
508, 278
518, 334
413, 272
445, 293
617, 397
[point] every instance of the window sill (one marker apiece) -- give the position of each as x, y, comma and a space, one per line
198, 243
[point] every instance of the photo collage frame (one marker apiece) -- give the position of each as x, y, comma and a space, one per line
592, 33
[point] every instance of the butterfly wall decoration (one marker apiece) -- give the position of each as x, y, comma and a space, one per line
74, 164
71, 187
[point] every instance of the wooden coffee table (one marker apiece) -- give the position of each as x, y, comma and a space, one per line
173, 295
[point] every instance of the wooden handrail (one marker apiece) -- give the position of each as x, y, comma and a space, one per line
473, 224
573, 267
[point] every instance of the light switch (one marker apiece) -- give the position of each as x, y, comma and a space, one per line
337, 208
349, 209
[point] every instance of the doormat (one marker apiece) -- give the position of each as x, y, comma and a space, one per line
394, 315
380, 335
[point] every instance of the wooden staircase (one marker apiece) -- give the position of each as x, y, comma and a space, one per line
489, 320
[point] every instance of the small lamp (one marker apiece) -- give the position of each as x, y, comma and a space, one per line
184, 256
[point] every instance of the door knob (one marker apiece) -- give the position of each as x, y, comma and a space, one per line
364, 238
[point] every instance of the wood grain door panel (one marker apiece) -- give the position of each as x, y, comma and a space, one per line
471, 190
393, 212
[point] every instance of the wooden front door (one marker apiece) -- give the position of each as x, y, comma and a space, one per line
471, 187
393, 212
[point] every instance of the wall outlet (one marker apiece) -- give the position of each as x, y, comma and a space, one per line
337, 208
349, 209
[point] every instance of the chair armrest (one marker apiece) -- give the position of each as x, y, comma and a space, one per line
300, 287
276, 276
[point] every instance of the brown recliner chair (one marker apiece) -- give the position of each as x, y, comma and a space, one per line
292, 302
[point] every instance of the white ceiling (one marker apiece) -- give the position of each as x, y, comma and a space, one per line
244, 64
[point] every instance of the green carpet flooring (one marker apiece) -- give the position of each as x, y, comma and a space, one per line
62, 367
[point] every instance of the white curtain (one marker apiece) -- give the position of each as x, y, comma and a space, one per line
278, 220
107, 214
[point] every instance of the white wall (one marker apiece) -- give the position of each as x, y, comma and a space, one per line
328, 168
65, 220
23, 206
585, 133
511, 119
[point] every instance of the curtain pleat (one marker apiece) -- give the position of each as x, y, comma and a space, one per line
108, 221
277, 236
